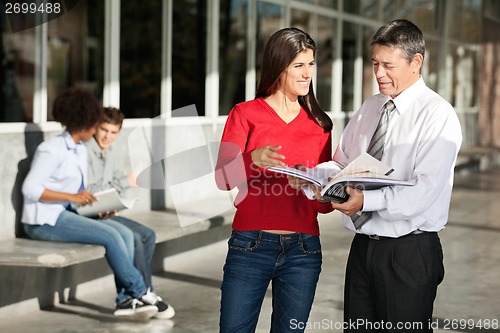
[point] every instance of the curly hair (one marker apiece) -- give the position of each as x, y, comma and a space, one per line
77, 109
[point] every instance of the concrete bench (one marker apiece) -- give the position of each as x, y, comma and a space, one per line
31, 253
50, 272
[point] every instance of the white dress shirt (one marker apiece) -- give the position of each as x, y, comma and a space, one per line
422, 143
59, 165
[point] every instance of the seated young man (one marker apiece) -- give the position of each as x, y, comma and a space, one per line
105, 173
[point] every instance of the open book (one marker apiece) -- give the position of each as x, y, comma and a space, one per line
107, 201
365, 173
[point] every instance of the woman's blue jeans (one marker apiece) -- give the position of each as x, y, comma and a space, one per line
292, 262
71, 227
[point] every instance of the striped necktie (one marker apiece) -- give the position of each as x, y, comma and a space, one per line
376, 149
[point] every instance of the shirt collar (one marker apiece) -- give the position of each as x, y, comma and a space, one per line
95, 149
409, 95
79, 148
70, 144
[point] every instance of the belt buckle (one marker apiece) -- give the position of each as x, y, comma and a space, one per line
374, 237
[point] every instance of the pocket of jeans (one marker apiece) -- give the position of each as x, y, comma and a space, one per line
311, 245
242, 243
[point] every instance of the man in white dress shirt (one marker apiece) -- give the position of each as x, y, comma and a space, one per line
395, 262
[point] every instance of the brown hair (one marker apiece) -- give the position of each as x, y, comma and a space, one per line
282, 47
113, 116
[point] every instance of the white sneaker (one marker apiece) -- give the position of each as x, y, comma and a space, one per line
134, 308
165, 310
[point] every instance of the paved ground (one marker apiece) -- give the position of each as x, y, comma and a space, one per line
469, 296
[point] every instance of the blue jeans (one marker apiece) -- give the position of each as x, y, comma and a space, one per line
292, 262
144, 247
71, 227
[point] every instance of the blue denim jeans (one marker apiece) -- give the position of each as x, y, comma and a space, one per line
144, 247
71, 227
291, 262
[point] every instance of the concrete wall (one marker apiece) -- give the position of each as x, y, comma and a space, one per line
17, 150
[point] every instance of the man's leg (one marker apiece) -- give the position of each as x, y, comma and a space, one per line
144, 247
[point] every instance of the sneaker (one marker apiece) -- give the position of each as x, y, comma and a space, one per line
134, 308
165, 310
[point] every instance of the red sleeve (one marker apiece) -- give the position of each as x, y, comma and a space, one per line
233, 164
326, 155
323, 208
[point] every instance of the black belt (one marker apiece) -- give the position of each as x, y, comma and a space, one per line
416, 232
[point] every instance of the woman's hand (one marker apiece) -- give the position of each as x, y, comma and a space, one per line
268, 156
83, 198
317, 194
296, 182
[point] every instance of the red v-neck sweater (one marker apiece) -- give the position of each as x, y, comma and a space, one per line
265, 201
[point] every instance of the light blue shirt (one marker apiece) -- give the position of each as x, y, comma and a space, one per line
59, 165
422, 143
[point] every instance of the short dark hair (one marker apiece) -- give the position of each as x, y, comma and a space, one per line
77, 109
113, 116
403, 35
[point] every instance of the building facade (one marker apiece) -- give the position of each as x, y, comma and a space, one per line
155, 57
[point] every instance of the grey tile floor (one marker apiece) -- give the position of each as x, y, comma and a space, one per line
469, 295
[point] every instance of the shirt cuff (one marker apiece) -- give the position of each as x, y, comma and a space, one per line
308, 192
373, 200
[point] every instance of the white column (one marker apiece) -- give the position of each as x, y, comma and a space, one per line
251, 75
166, 64
212, 74
111, 93
40, 89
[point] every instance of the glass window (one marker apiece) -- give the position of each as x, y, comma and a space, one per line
189, 53
366, 8
466, 20
232, 53
269, 19
465, 78
422, 12
325, 42
75, 49
324, 38
394, 9
430, 67
348, 61
17, 79
140, 58
94, 51
303, 20
325, 3
491, 9
425, 15
369, 89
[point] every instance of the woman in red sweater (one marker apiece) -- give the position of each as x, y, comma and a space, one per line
275, 234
